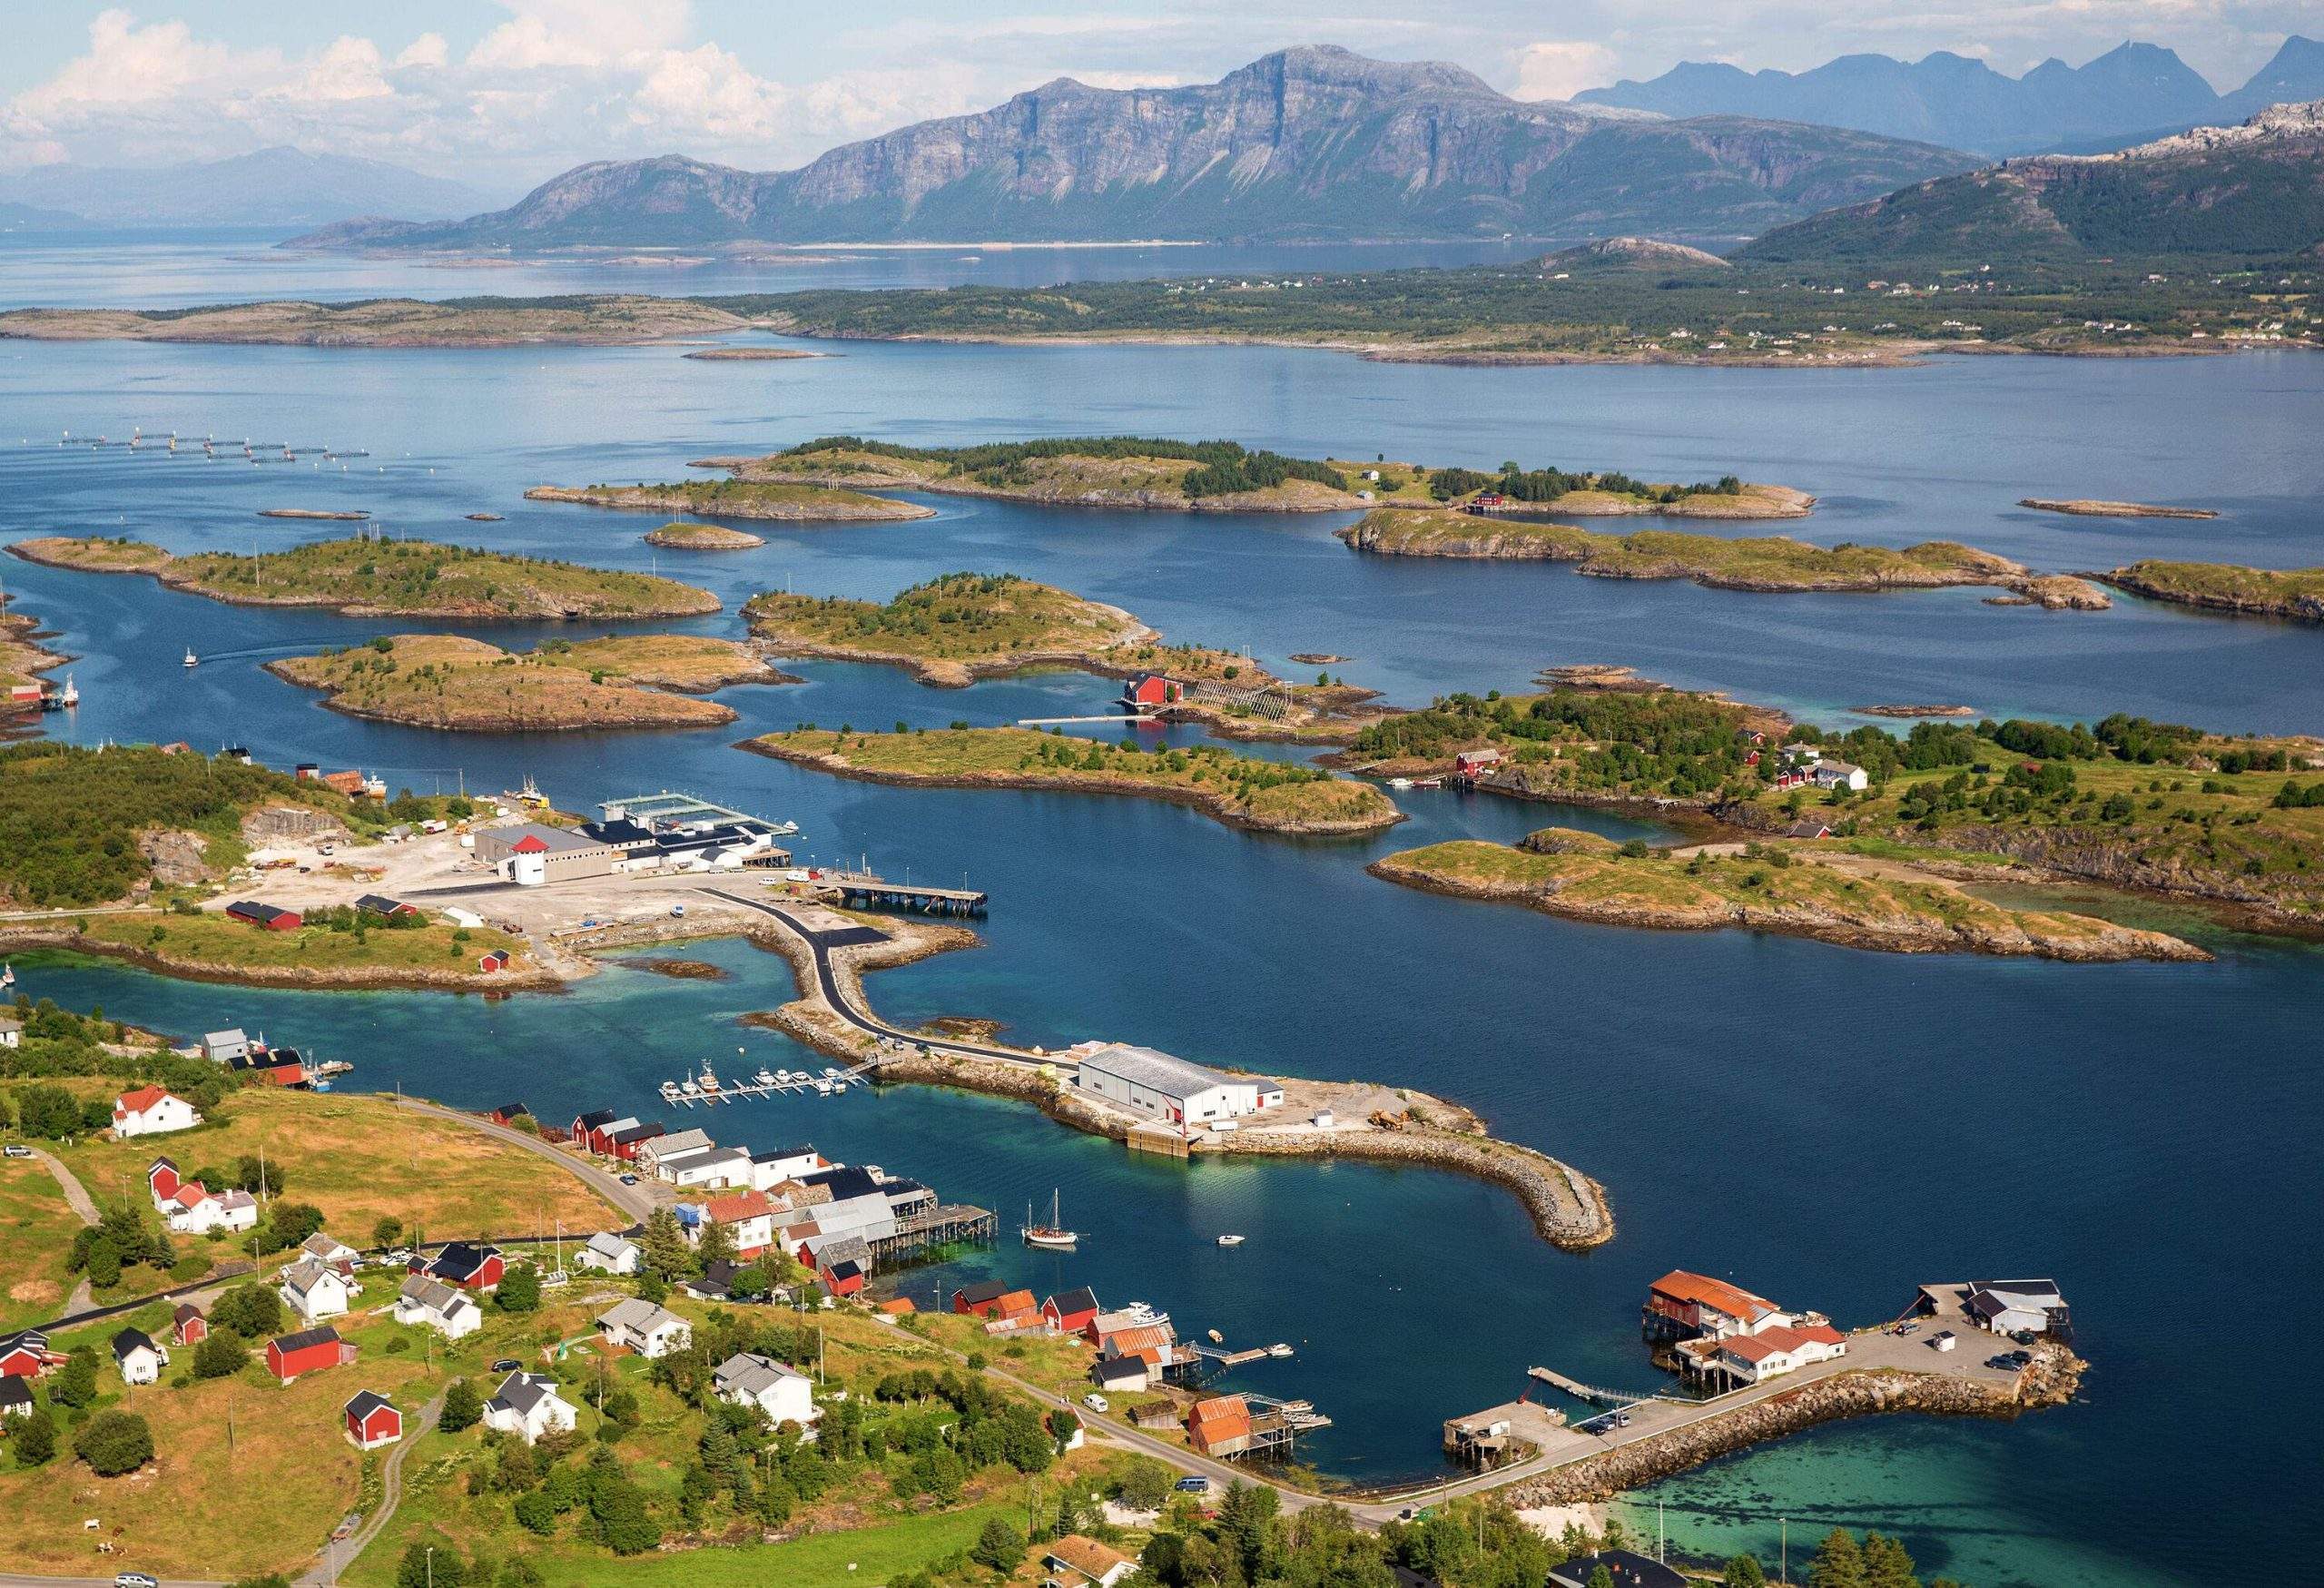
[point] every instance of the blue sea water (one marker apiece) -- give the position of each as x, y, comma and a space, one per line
1828, 1127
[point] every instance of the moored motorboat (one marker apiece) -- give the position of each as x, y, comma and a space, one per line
1230, 1241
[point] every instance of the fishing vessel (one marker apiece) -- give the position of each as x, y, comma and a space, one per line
689, 1087
670, 1092
190, 659
1053, 1236
7, 975
709, 1082
1230, 1241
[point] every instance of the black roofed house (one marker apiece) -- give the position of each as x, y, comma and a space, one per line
584, 1123
266, 917
15, 1397
1807, 828
470, 1268
1069, 1312
528, 1406
623, 1144
307, 1351
1628, 1569
25, 1353
141, 1361
379, 904
970, 1299
507, 1111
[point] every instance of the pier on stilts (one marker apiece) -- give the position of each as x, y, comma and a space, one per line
868, 890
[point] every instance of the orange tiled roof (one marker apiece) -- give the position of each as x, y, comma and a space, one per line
1701, 1290
138, 1101
1087, 1556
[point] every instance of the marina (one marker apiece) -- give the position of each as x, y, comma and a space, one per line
708, 1089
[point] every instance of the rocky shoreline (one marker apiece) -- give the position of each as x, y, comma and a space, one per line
650, 498
2295, 605
950, 672
2051, 1380
346, 978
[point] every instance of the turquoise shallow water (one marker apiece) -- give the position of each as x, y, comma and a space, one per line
1828, 1127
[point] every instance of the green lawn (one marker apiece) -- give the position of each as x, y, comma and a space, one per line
860, 1558
36, 1228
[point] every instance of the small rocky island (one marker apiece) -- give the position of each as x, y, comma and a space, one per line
387, 322
466, 685
950, 631
703, 537
400, 578
2292, 593
2086, 508
730, 498
1768, 563
1261, 796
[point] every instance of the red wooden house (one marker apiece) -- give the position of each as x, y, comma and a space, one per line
497, 959
1150, 689
288, 1357
978, 1300
187, 1326
507, 1111
266, 917
843, 1278
26, 1354
1069, 1311
584, 1123
372, 1421
469, 1267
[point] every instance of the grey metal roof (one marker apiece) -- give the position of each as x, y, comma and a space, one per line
432, 1294
607, 1244
1157, 1072
751, 1373
635, 1315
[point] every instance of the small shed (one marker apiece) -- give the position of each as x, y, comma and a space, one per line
371, 1421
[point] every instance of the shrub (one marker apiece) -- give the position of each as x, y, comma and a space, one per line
222, 1353
114, 1442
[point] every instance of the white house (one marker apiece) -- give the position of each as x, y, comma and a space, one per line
526, 1404
1774, 1352
141, 1361
12, 1031
1149, 1082
438, 1306
784, 1394
224, 1047
642, 1328
770, 1170
712, 1166
651, 1154
193, 1210
1840, 774
316, 1291
610, 1254
150, 1111
2009, 1307
748, 1216
330, 1251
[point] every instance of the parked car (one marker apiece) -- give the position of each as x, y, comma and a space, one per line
629, 1179
1096, 1402
507, 1364
18, 1149
135, 1579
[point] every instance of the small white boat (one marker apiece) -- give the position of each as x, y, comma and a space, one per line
1278, 1349
72, 695
670, 1092
688, 1088
1216, 1339
764, 1078
1400, 782
7, 975
1230, 1241
825, 1086
190, 659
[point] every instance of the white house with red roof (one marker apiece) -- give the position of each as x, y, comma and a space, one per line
1776, 1351
150, 1111
748, 1216
195, 1210
1681, 1305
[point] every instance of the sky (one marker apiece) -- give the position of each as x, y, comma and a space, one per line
503, 93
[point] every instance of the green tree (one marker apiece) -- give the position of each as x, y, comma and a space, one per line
292, 1222
48, 1112
618, 1509
251, 1310
114, 1442
1885, 1564
717, 1244
663, 1246
1743, 1572
386, 1232
430, 1566
1599, 1577
1145, 1485
520, 1289
35, 1438
221, 1354
463, 1408
76, 1387
1839, 1563
1001, 1545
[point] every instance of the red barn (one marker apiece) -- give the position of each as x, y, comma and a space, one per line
26, 1354
309, 1351
1469, 763
470, 1268
584, 1123
978, 1300
497, 959
507, 1111
1069, 1311
265, 917
843, 1278
187, 1326
372, 1421
1153, 689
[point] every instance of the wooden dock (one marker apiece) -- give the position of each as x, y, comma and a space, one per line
864, 890
1590, 1392
731, 1091
1043, 721
949, 1224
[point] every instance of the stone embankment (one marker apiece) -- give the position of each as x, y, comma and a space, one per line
2051, 1380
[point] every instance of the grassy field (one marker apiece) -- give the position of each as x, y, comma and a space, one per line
1238, 789
360, 1159
211, 938
36, 1227
408, 578
203, 1509
449, 682
1772, 562
956, 624
683, 536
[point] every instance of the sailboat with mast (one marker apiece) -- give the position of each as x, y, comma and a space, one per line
1054, 1236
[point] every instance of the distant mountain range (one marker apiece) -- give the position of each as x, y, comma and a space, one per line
1306, 144
273, 187
2131, 93
2255, 189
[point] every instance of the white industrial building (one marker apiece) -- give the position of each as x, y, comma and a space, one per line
1184, 1093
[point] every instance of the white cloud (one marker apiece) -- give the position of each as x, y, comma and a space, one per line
428, 50
584, 33
1562, 68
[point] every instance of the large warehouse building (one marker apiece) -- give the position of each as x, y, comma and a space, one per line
1172, 1088
529, 853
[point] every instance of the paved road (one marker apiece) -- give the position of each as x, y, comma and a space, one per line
633, 1200
854, 1014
